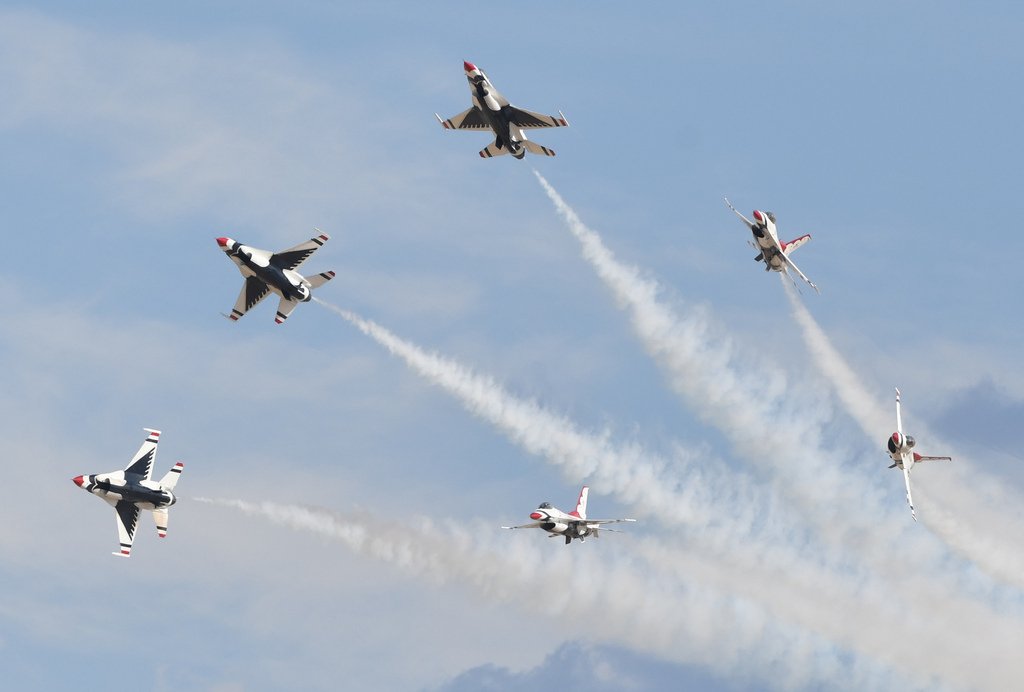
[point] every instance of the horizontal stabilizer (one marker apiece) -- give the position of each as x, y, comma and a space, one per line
538, 149
318, 280
795, 243
160, 519
492, 150
170, 478
284, 309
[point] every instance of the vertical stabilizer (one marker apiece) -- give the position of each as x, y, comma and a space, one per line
899, 418
581, 504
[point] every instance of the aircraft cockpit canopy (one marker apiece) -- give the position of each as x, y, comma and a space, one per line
544, 505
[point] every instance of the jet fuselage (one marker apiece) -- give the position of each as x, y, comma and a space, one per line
128, 487
494, 109
251, 261
558, 523
767, 239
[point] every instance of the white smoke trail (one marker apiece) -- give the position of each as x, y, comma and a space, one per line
615, 600
847, 506
681, 493
802, 577
699, 363
961, 497
861, 406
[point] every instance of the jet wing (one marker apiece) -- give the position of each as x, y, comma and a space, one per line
469, 119
253, 291
750, 224
284, 309
528, 120
795, 268
293, 257
142, 462
127, 519
599, 522
906, 476
534, 525
920, 457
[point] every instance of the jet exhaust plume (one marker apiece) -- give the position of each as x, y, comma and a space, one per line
728, 523
635, 476
611, 599
861, 406
754, 410
967, 531
779, 429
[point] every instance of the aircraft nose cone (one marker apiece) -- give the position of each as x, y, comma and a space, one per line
757, 215
78, 481
536, 515
468, 66
223, 242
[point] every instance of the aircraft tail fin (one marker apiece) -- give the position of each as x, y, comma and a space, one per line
581, 504
160, 519
170, 478
795, 243
538, 149
318, 280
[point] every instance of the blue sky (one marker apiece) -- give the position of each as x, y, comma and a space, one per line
774, 549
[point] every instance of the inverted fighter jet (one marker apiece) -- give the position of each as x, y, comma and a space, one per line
899, 446
492, 111
274, 271
132, 489
772, 251
572, 525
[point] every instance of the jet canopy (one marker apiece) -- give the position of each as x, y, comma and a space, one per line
544, 505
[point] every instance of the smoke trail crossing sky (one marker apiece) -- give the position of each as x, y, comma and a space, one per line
613, 599
968, 529
724, 542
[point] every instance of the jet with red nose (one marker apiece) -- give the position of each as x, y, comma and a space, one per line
132, 489
492, 111
773, 252
267, 272
900, 448
571, 525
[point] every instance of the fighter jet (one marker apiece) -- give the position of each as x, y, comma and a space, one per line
572, 525
130, 490
274, 271
491, 110
772, 251
899, 446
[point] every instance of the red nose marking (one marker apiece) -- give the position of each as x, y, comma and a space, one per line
896, 437
468, 66
78, 481
757, 215
536, 515
222, 242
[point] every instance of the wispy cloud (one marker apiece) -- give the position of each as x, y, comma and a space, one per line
961, 495
719, 540
610, 599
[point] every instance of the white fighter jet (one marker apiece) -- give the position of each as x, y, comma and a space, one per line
132, 489
899, 447
492, 111
572, 525
274, 271
772, 251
